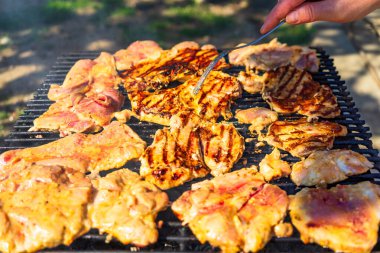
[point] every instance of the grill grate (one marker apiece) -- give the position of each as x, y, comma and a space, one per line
173, 236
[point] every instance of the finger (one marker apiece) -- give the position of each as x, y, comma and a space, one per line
282, 8
314, 11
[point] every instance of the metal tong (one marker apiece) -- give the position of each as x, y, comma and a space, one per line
224, 53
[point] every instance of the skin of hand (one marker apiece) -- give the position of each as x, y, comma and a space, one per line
301, 11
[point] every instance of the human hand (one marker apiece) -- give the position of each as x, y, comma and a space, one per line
301, 11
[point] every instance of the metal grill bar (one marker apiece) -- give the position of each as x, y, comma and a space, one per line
173, 236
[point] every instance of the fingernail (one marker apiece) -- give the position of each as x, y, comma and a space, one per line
262, 28
292, 18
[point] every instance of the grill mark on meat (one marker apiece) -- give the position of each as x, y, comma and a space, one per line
296, 84
165, 148
283, 84
283, 73
230, 143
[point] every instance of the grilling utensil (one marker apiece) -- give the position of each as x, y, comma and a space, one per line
225, 52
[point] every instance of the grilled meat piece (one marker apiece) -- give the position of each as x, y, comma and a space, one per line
300, 138
176, 64
326, 167
86, 101
212, 101
45, 211
289, 90
125, 207
273, 55
344, 218
236, 211
258, 117
222, 146
191, 148
272, 167
111, 148
135, 53
251, 82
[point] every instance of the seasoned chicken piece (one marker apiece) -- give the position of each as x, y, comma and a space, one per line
222, 146
136, 53
272, 167
124, 115
273, 55
344, 218
289, 90
251, 82
177, 64
76, 81
300, 138
125, 207
213, 100
86, 101
44, 213
24, 175
258, 117
111, 148
191, 148
236, 211
326, 167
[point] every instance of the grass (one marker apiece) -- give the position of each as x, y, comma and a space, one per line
55, 11
189, 21
295, 35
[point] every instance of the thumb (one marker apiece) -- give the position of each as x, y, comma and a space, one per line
312, 11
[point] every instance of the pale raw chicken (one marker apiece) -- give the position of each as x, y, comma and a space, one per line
179, 63
236, 212
125, 207
111, 148
273, 55
44, 211
272, 167
191, 148
344, 218
76, 81
258, 117
87, 99
300, 137
326, 167
212, 101
135, 53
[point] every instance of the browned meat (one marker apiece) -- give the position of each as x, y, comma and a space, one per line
274, 55
236, 211
46, 209
300, 138
86, 101
176, 64
111, 148
326, 167
191, 148
125, 207
272, 167
212, 101
344, 218
289, 90
135, 53
258, 117
251, 82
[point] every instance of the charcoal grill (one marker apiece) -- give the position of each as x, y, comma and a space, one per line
173, 236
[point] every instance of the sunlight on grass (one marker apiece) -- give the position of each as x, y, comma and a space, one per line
60, 10
295, 35
190, 21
